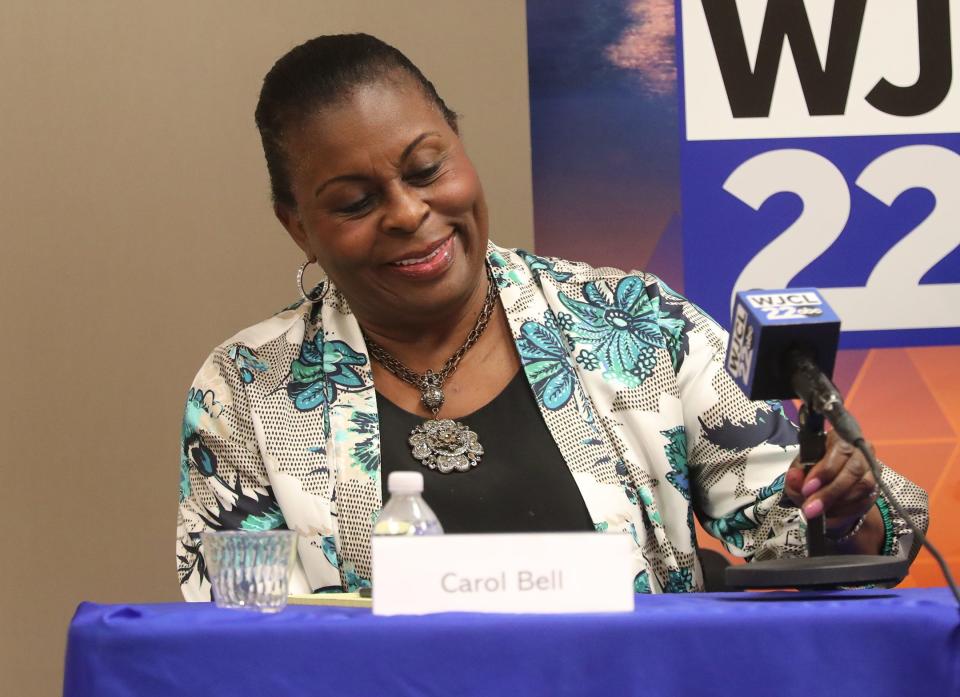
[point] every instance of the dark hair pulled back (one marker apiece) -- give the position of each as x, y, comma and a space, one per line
319, 73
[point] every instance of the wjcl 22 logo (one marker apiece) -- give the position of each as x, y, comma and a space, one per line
831, 133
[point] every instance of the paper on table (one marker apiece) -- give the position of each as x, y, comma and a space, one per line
330, 599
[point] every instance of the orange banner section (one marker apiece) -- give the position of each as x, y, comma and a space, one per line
908, 403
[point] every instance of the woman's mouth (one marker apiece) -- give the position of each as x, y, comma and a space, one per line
429, 265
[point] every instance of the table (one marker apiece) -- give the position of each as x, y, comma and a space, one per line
876, 643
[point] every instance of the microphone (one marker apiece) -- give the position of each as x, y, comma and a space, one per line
783, 344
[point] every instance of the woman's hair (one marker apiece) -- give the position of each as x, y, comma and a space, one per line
317, 74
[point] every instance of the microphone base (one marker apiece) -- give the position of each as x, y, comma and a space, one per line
817, 572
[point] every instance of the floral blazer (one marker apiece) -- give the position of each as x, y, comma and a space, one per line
281, 429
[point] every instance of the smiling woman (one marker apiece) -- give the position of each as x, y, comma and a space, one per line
394, 214
536, 394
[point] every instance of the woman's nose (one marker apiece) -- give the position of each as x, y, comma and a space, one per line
405, 210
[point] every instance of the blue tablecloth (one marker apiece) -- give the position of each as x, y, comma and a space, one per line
874, 643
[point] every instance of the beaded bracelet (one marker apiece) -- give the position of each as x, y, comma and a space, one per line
856, 526
849, 534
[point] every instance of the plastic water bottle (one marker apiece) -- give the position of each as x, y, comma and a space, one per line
406, 513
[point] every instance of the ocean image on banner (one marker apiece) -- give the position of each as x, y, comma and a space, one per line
606, 138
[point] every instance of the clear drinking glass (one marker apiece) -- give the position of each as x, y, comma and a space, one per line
250, 569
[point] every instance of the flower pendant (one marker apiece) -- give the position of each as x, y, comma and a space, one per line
445, 445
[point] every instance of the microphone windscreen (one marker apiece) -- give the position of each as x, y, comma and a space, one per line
767, 325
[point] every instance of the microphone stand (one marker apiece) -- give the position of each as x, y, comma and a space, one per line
819, 569
813, 446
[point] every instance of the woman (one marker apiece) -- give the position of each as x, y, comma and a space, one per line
589, 398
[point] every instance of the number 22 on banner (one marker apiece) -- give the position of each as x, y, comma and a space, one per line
893, 297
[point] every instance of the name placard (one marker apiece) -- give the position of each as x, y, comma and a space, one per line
523, 572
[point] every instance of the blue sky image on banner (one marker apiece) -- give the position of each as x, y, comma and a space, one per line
604, 131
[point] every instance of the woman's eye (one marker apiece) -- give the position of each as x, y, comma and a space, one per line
358, 206
424, 175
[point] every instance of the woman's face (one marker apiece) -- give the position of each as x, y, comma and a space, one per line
389, 204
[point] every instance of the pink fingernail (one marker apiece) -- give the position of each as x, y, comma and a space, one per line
812, 509
810, 487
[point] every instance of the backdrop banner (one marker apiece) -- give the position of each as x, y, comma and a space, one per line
818, 147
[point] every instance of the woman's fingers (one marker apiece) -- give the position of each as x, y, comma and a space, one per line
799, 484
850, 493
824, 472
794, 481
841, 483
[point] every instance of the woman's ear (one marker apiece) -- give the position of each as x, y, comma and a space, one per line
290, 220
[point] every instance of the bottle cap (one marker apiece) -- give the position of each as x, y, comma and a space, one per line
405, 483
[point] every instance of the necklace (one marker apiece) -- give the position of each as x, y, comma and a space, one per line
441, 444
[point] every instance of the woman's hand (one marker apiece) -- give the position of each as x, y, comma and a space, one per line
842, 485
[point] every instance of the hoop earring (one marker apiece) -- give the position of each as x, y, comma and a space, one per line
303, 293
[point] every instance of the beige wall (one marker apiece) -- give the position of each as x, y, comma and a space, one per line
137, 234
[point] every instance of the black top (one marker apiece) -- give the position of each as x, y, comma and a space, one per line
521, 483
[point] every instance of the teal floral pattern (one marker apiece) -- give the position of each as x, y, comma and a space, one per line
247, 362
352, 580
547, 364
620, 328
243, 509
541, 265
184, 479
502, 273
198, 455
647, 501
194, 452
676, 451
774, 488
620, 467
679, 581
730, 529
674, 325
329, 546
365, 452
588, 359
271, 519
323, 369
